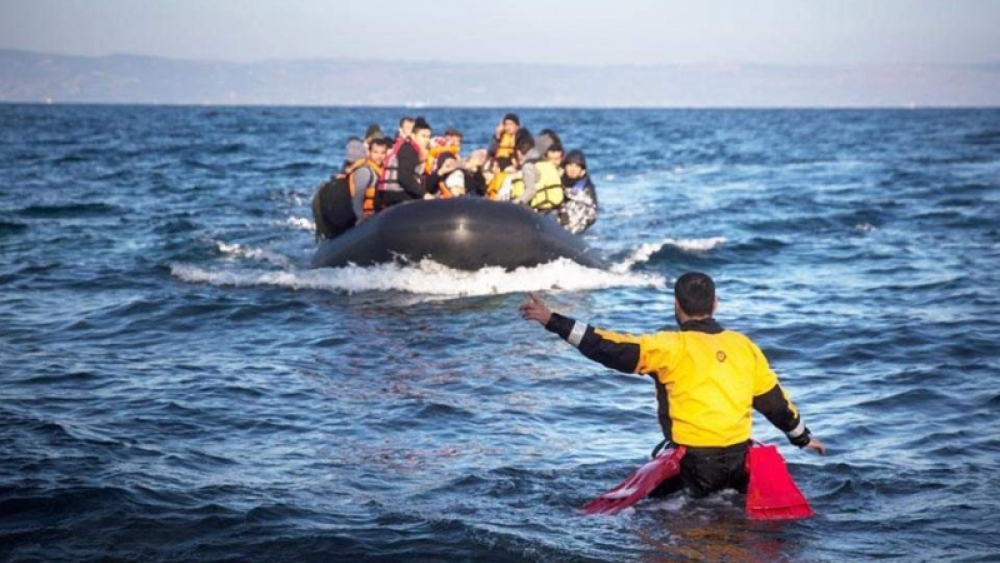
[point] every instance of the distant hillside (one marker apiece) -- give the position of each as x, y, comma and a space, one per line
36, 77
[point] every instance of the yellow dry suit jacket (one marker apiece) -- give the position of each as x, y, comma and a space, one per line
708, 380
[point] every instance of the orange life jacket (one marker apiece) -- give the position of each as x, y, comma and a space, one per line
439, 146
368, 207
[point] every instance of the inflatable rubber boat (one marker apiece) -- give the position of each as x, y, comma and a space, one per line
463, 233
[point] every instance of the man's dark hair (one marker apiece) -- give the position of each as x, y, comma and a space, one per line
404, 120
383, 142
695, 292
512, 117
523, 141
420, 123
552, 135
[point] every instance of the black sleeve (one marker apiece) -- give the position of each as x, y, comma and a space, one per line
411, 182
475, 183
778, 411
621, 356
433, 181
591, 190
663, 409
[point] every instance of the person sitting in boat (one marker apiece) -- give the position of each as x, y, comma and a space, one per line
365, 179
339, 203
448, 179
475, 179
555, 152
355, 151
501, 184
579, 211
405, 128
543, 189
373, 132
504, 139
450, 142
403, 175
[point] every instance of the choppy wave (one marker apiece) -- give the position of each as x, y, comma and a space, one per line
646, 251
176, 385
252, 253
301, 223
69, 210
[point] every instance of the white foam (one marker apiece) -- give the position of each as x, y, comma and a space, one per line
301, 223
425, 278
644, 252
259, 254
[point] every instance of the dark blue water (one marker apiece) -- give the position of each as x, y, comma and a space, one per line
177, 385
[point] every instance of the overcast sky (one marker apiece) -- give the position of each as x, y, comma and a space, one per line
796, 32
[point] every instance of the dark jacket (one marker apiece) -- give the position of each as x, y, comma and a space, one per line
412, 181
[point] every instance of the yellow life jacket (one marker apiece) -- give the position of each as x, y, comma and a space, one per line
497, 184
549, 192
505, 146
493, 188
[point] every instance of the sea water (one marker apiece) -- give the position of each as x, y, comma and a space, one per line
176, 384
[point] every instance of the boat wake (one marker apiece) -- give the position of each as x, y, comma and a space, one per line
247, 266
425, 277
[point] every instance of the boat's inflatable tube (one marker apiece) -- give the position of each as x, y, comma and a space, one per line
463, 233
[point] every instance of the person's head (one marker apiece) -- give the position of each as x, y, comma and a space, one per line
575, 164
378, 150
455, 182
543, 142
511, 123
373, 132
694, 296
551, 135
355, 150
405, 127
453, 136
421, 133
446, 162
555, 154
524, 144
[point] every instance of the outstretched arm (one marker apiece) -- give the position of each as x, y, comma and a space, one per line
620, 352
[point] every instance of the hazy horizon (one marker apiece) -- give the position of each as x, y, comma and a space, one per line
641, 32
990, 64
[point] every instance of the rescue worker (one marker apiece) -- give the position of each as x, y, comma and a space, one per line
579, 211
403, 175
708, 380
504, 139
543, 190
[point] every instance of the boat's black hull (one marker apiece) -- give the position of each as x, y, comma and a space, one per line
463, 233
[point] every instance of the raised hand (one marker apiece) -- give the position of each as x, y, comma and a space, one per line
534, 309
